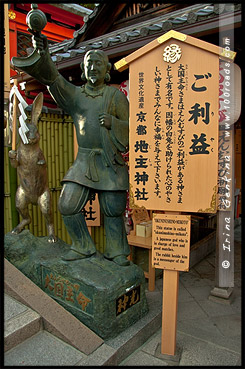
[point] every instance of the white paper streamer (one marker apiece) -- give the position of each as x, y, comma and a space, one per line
23, 124
23, 136
20, 98
22, 111
22, 118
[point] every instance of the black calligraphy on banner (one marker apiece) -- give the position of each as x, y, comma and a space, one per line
157, 132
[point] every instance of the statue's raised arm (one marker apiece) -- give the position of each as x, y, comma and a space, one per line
40, 65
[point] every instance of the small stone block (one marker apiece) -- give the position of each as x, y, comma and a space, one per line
172, 359
221, 300
222, 292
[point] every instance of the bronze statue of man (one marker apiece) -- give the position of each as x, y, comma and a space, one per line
100, 114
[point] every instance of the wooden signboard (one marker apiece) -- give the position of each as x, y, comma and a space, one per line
174, 118
171, 241
174, 132
173, 140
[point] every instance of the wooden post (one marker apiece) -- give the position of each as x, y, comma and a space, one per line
224, 268
170, 294
151, 276
169, 311
14, 131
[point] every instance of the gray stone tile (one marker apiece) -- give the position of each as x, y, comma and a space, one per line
236, 304
192, 279
229, 325
199, 353
43, 349
104, 355
159, 284
213, 309
239, 361
198, 293
190, 310
12, 307
154, 297
184, 294
211, 258
204, 324
209, 334
21, 327
141, 358
204, 267
151, 345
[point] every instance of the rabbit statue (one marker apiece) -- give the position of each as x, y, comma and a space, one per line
32, 172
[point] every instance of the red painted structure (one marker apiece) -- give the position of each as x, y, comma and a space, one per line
61, 25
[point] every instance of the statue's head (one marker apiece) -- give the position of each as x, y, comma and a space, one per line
96, 67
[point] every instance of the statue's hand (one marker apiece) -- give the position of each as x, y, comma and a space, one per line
12, 154
39, 41
105, 120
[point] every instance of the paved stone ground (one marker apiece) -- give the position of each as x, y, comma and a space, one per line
208, 333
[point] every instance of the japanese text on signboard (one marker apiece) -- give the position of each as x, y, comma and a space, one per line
174, 131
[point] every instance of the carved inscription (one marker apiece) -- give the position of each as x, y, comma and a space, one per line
66, 290
127, 300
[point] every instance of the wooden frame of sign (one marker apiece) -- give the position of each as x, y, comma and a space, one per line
173, 138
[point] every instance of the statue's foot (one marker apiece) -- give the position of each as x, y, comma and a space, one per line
52, 239
73, 255
121, 260
17, 230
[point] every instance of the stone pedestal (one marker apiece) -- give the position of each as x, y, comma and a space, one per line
104, 296
221, 295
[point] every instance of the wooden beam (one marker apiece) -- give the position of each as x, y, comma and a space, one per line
101, 23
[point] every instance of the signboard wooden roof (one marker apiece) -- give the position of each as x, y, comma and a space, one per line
223, 53
174, 122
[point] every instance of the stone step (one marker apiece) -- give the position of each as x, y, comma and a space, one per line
26, 342
43, 349
20, 322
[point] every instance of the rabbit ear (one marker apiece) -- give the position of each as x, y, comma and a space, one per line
37, 108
